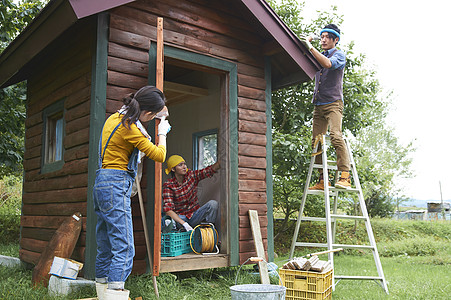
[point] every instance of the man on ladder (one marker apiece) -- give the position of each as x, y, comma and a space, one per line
328, 101
328, 111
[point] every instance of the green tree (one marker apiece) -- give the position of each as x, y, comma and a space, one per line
363, 120
13, 18
380, 159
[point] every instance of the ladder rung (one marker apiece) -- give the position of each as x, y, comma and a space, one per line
353, 246
301, 244
320, 192
348, 217
313, 219
351, 190
359, 277
332, 191
332, 216
330, 166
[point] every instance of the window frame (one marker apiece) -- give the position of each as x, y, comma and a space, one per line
196, 137
52, 110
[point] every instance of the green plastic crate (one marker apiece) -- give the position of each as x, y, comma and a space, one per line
175, 243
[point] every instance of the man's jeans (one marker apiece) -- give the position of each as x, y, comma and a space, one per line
114, 230
207, 212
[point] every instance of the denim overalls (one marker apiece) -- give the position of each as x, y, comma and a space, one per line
114, 229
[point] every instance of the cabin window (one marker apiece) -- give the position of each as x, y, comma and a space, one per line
53, 146
205, 148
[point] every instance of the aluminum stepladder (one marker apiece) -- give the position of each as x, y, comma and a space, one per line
330, 218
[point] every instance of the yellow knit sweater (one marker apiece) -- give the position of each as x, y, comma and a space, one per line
122, 143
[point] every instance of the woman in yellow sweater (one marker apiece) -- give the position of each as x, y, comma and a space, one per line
123, 138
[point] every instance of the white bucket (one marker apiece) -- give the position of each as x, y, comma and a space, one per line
258, 292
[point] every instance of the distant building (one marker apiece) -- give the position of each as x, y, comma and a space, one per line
419, 214
435, 211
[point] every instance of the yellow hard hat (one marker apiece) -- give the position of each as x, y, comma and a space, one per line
172, 162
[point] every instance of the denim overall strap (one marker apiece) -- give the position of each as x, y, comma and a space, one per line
133, 163
106, 144
133, 160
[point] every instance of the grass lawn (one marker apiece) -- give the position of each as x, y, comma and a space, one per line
407, 277
415, 256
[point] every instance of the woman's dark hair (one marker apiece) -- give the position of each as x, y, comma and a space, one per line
147, 98
334, 27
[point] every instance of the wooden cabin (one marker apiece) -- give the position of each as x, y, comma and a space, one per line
222, 61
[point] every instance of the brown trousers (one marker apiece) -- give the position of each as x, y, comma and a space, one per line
331, 115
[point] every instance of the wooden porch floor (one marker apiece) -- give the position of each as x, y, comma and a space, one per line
192, 261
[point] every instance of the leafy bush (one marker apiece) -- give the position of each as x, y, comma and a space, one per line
10, 207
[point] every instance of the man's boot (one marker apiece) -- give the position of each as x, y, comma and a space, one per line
344, 182
319, 186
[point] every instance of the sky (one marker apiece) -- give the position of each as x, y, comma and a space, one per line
401, 40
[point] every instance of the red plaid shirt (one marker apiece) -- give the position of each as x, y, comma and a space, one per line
182, 198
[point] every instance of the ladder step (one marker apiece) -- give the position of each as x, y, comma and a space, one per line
354, 246
331, 165
319, 192
317, 219
359, 277
332, 216
301, 244
332, 191
348, 217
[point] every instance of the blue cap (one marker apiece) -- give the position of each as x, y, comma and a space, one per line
331, 31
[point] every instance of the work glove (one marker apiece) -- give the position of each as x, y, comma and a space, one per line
187, 227
315, 37
306, 42
164, 127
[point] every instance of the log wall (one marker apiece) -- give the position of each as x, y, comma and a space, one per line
213, 28
210, 27
49, 198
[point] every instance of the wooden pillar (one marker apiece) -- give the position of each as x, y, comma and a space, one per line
158, 183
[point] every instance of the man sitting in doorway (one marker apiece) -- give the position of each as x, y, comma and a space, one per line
180, 194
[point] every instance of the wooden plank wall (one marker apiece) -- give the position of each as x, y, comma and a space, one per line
50, 198
213, 28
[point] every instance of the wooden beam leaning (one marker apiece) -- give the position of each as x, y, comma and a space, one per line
158, 183
257, 236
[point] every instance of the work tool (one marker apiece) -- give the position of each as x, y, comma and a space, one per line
146, 234
323, 252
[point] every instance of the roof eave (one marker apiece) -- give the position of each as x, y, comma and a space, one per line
284, 36
55, 18
85, 8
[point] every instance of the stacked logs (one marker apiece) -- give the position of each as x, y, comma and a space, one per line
304, 264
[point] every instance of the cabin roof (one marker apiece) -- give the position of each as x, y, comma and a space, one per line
291, 62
